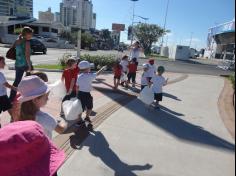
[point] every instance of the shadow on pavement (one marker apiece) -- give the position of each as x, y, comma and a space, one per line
171, 96
170, 121
99, 147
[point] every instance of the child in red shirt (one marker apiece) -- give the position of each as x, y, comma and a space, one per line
69, 77
133, 66
117, 70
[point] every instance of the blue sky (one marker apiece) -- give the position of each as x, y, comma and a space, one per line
184, 17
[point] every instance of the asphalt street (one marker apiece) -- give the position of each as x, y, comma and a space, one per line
190, 67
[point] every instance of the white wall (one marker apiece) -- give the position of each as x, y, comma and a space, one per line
179, 52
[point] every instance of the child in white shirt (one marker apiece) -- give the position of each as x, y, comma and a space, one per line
145, 80
34, 95
152, 69
125, 69
84, 88
5, 104
158, 82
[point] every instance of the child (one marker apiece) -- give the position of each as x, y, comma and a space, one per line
145, 79
5, 104
133, 66
84, 87
16, 104
69, 77
158, 82
152, 69
28, 151
117, 70
125, 63
34, 95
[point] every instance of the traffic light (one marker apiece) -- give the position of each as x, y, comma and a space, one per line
130, 33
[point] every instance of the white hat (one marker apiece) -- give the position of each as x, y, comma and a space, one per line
145, 66
84, 65
31, 87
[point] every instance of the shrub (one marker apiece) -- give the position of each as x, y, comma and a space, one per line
63, 60
99, 61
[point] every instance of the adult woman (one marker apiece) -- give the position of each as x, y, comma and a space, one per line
136, 50
23, 63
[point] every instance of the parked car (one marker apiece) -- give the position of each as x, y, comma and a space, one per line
37, 46
156, 50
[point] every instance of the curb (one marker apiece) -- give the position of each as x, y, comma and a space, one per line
226, 107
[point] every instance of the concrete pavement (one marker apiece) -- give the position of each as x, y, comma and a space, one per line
187, 137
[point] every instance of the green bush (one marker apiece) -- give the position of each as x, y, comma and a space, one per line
63, 60
99, 61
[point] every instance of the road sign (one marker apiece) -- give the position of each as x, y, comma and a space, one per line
118, 27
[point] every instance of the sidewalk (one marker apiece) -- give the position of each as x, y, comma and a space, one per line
186, 138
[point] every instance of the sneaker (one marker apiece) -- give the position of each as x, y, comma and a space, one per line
87, 119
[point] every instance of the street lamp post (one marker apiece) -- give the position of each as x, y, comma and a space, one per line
80, 13
165, 21
132, 34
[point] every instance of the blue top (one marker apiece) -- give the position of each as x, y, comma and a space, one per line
20, 54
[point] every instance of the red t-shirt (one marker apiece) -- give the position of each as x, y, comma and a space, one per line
118, 71
69, 74
132, 67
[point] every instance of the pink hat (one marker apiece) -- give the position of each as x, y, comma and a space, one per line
25, 150
32, 87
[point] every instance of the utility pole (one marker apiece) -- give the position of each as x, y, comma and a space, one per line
80, 18
132, 34
165, 21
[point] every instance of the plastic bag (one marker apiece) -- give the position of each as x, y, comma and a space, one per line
58, 89
72, 109
147, 95
123, 78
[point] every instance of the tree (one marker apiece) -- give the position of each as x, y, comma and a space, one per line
87, 40
147, 34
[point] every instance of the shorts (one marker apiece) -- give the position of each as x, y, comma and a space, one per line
5, 104
132, 76
158, 96
86, 100
68, 97
117, 77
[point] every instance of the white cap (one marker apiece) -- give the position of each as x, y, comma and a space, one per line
145, 66
84, 65
31, 87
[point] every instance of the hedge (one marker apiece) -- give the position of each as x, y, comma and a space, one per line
99, 61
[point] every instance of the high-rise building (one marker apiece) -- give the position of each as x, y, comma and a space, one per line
94, 21
6, 8
70, 15
18, 8
46, 17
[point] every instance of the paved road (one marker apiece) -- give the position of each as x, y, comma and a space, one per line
190, 67
54, 55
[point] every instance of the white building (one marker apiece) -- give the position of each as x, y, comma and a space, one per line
46, 17
57, 17
70, 15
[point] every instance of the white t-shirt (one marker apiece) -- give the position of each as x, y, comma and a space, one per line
3, 89
158, 83
135, 53
85, 81
47, 121
124, 64
152, 70
144, 79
